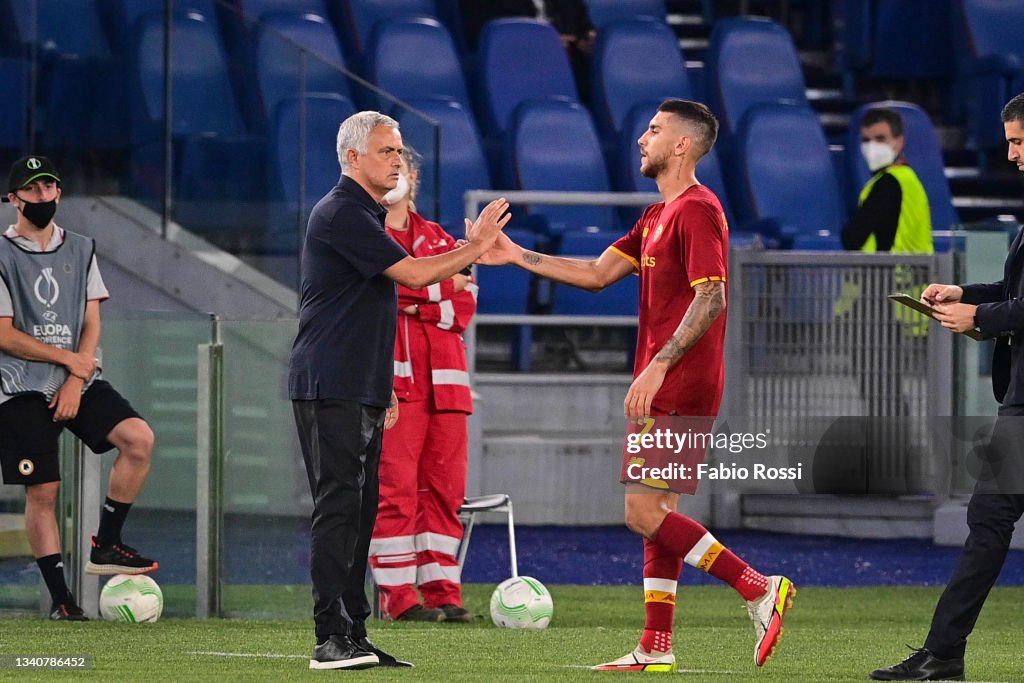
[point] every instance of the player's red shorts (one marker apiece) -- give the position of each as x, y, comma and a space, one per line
664, 451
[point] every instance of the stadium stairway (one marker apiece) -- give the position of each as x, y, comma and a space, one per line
981, 191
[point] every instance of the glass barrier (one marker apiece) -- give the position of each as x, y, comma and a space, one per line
267, 504
236, 146
151, 360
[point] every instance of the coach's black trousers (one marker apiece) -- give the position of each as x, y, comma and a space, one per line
340, 442
995, 507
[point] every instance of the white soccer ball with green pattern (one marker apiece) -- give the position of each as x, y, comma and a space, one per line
131, 599
521, 602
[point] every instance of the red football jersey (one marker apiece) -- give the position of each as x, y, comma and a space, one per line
675, 247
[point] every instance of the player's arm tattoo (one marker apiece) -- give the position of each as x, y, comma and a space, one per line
708, 303
532, 258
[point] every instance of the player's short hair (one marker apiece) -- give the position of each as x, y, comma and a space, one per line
884, 115
354, 132
1014, 110
697, 115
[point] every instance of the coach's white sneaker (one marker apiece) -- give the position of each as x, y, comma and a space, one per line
639, 660
767, 613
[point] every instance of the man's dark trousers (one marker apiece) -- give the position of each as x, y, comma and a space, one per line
994, 508
340, 442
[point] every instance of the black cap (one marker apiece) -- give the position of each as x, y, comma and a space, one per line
27, 170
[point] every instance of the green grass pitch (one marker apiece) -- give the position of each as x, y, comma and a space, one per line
832, 634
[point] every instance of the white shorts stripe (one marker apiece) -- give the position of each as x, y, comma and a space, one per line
696, 552
437, 572
449, 545
663, 585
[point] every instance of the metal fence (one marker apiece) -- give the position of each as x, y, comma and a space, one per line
814, 334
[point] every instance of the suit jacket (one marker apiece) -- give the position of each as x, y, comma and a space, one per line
1000, 314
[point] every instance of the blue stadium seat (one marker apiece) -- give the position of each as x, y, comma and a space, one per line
415, 58
634, 62
604, 12
77, 65
119, 18
923, 152
520, 60
992, 65
750, 61
506, 290
323, 113
462, 162
621, 298
202, 91
278, 61
788, 175
542, 132
206, 128
709, 174
356, 20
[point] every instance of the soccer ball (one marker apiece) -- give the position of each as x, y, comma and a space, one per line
521, 602
131, 599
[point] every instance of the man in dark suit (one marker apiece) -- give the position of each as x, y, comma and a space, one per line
997, 310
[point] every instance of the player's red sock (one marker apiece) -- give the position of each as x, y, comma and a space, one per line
698, 548
661, 573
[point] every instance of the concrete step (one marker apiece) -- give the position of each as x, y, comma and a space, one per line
950, 525
849, 516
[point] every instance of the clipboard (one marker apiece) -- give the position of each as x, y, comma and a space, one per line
921, 307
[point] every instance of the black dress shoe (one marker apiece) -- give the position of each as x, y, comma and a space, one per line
922, 666
384, 658
340, 652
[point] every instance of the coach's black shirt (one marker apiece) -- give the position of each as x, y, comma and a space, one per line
348, 310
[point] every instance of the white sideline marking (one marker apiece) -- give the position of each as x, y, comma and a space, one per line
696, 671
247, 654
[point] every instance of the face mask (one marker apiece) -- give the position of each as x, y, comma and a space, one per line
39, 214
877, 154
398, 194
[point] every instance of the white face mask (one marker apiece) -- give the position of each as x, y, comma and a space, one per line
877, 154
398, 194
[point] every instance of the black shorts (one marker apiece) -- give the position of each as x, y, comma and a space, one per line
29, 438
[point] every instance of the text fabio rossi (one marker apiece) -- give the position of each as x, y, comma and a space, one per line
663, 440
676, 471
